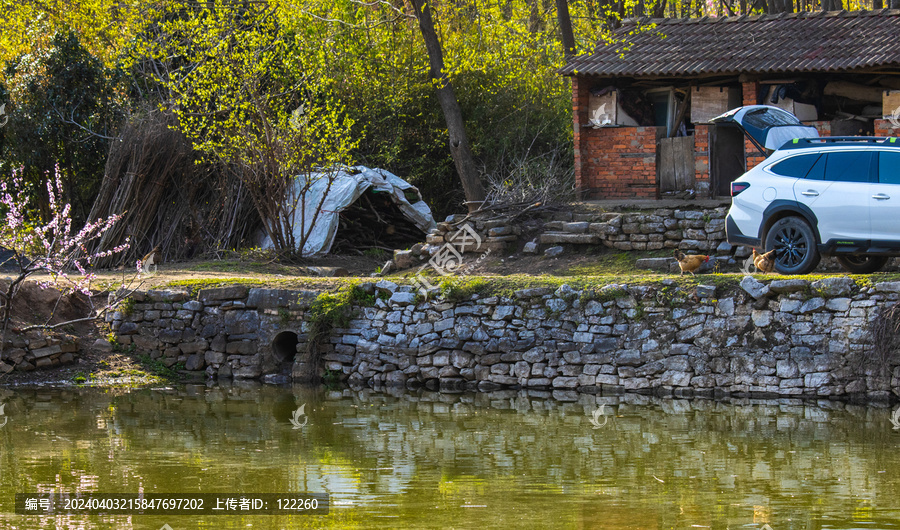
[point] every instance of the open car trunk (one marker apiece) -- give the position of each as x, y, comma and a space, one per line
767, 127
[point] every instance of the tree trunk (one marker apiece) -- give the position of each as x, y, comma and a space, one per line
659, 10
779, 6
459, 143
638, 9
565, 27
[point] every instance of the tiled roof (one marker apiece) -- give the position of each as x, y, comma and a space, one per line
797, 42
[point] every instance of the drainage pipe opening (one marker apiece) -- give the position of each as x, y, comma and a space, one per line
284, 346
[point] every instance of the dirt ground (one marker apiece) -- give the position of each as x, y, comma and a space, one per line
36, 306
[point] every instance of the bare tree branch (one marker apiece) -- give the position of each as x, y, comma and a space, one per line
71, 121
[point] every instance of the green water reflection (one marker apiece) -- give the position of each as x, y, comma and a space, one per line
428, 460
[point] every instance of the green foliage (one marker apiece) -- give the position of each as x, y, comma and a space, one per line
517, 111
362, 298
419, 298
275, 89
193, 286
331, 379
607, 263
671, 296
461, 289
79, 378
126, 306
158, 368
284, 316
249, 92
608, 295
334, 310
639, 312
816, 292
64, 107
377, 253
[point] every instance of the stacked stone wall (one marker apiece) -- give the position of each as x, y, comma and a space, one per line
25, 352
785, 337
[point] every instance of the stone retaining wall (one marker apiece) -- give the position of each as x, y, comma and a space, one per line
227, 332
785, 337
692, 229
36, 349
663, 228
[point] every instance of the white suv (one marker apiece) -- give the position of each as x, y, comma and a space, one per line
837, 196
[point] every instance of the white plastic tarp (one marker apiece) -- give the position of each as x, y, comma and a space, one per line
341, 188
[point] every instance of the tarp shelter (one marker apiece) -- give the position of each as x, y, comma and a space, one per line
340, 189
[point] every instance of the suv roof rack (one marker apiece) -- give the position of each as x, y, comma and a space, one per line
798, 143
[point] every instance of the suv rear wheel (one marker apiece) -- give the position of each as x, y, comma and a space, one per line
862, 264
795, 245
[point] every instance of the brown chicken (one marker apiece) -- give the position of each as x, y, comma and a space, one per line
690, 262
764, 262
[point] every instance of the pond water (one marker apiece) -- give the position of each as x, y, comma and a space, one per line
429, 460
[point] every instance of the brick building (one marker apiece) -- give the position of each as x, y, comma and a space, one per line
642, 103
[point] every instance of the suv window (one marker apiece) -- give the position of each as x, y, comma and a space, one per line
889, 167
818, 170
846, 166
795, 166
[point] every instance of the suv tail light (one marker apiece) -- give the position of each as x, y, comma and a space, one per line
737, 187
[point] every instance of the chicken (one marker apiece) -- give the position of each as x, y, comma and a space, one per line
690, 262
764, 262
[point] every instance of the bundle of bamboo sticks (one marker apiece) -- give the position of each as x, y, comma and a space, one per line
166, 198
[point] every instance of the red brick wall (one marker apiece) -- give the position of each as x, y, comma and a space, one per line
701, 154
884, 128
580, 97
611, 162
824, 127
749, 90
752, 156
619, 163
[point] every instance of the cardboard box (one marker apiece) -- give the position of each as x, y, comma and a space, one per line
707, 102
803, 111
890, 104
605, 111
602, 109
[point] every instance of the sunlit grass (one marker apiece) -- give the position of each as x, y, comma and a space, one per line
616, 263
598, 270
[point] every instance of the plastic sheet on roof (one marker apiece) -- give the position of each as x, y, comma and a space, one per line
337, 190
